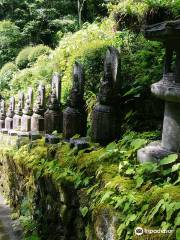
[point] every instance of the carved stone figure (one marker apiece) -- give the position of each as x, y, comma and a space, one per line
74, 116
168, 89
18, 112
10, 114
106, 118
27, 112
2, 114
53, 115
37, 120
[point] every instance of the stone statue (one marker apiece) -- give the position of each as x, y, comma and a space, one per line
106, 119
56, 86
168, 89
27, 112
2, 114
10, 114
53, 115
37, 120
74, 116
18, 112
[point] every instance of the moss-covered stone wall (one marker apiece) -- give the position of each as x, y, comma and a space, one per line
97, 193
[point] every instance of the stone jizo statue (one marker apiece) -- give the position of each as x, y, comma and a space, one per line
53, 115
18, 112
27, 112
37, 120
106, 114
74, 116
2, 114
10, 114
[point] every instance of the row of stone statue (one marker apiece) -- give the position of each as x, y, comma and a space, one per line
73, 120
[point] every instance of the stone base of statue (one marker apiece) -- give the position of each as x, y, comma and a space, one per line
37, 123
34, 135
52, 139
2, 123
9, 123
25, 123
12, 132
17, 122
154, 152
79, 143
74, 122
106, 124
53, 121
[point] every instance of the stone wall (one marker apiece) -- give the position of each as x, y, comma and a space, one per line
54, 206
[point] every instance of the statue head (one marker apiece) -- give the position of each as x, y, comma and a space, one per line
11, 108
77, 91
40, 101
20, 105
110, 84
55, 97
2, 110
29, 102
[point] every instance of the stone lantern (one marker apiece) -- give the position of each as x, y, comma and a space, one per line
74, 116
37, 120
167, 89
106, 115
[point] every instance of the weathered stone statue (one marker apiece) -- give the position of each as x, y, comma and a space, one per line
10, 114
2, 114
37, 120
27, 112
74, 116
106, 117
167, 89
18, 112
53, 115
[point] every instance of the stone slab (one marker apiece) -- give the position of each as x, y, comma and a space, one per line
154, 152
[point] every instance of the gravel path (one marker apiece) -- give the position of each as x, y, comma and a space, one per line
7, 232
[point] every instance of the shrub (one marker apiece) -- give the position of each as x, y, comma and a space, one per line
10, 41
6, 74
87, 46
38, 51
22, 60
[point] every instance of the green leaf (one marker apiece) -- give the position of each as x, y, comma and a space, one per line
138, 143
178, 234
111, 146
175, 167
169, 159
177, 221
106, 196
130, 171
84, 211
139, 182
156, 209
